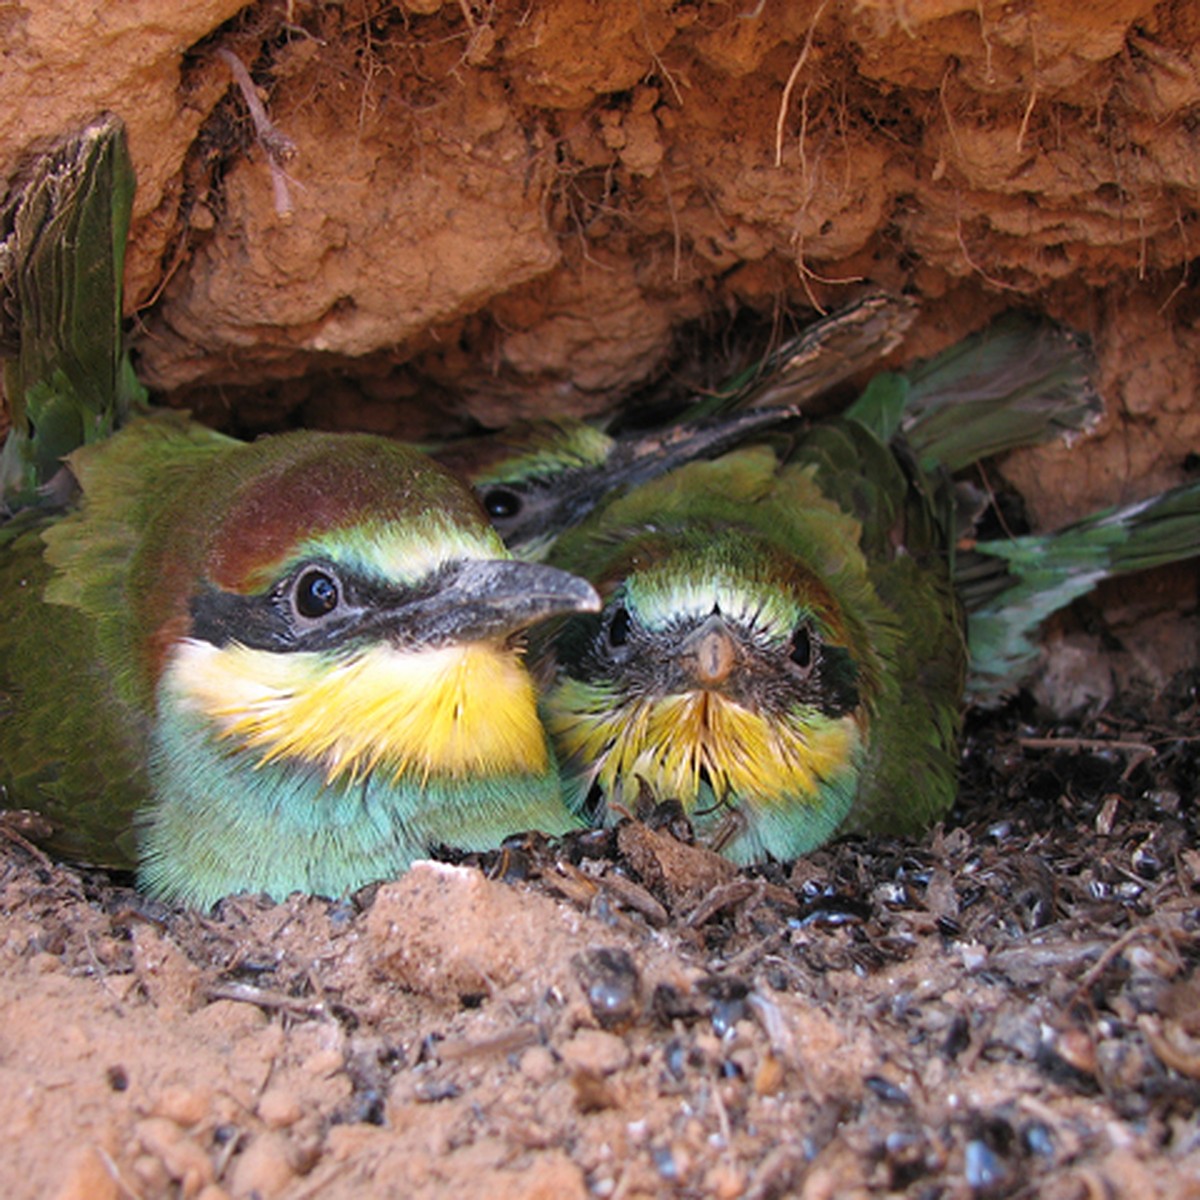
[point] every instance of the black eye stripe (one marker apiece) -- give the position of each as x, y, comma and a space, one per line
315, 605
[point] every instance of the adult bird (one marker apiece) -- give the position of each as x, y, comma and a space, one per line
1020, 381
539, 478
293, 664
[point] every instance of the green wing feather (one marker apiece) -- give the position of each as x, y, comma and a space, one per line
68, 380
75, 712
1010, 586
1020, 381
906, 518
71, 747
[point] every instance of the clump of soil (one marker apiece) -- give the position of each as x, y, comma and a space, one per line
422, 217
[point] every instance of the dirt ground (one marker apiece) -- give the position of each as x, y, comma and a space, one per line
424, 218
1008, 1007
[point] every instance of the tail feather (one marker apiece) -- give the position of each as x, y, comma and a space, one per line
1020, 381
817, 359
1010, 586
67, 380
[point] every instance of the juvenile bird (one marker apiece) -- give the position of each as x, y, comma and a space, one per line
292, 664
783, 646
539, 478
780, 647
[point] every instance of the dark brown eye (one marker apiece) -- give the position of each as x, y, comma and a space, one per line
316, 594
802, 651
501, 502
618, 627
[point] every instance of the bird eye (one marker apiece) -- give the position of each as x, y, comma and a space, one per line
618, 627
501, 502
316, 594
801, 652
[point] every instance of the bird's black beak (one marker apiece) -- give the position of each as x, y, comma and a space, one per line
476, 600
637, 458
549, 506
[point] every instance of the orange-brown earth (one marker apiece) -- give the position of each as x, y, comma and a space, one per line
467, 212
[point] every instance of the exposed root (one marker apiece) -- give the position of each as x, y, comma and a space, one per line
278, 146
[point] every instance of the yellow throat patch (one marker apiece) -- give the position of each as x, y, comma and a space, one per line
669, 741
451, 712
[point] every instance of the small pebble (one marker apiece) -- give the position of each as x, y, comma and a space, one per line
228, 1018
264, 1168
150, 1172
611, 980
725, 1181
595, 1051
974, 957
323, 1063
184, 1105
184, 1160
537, 1065
768, 1078
984, 1171
1038, 1139
665, 1161
279, 1108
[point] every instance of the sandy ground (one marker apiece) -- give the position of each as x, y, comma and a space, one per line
1005, 1008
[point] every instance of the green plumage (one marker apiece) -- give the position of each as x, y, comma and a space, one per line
538, 478
67, 380
70, 745
1018, 382
1011, 585
858, 540
894, 626
284, 665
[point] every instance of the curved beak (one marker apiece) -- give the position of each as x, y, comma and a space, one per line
562, 500
480, 599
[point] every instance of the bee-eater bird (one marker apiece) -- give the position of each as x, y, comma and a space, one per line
780, 645
292, 664
536, 479
1021, 381
783, 646
539, 478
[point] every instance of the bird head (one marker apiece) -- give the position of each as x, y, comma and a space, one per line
341, 602
722, 672
540, 478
